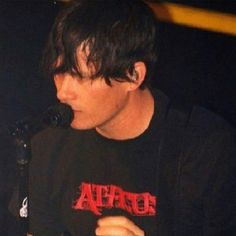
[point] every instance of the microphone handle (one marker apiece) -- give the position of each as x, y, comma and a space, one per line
60, 115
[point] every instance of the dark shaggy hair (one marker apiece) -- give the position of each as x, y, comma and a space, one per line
117, 33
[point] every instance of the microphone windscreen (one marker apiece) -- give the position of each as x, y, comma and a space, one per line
59, 115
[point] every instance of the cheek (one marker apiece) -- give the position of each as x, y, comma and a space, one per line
98, 92
98, 98
94, 101
108, 100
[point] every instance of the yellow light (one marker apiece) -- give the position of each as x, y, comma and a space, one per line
196, 17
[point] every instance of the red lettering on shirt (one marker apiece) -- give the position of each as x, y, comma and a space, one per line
94, 198
86, 200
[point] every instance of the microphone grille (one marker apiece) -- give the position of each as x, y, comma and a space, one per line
60, 115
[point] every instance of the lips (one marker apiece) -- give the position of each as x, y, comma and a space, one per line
76, 113
76, 110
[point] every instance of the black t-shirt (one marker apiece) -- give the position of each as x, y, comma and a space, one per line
77, 177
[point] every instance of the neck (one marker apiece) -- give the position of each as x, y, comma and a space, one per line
133, 119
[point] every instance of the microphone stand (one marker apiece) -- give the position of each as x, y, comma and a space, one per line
60, 115
20, 133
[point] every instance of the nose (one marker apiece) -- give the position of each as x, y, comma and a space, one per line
65, 87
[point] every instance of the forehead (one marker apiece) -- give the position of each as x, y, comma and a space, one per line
82, 58
79, 62
82, 53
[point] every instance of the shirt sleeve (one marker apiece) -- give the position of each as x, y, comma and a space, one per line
44, 217
206, 185
220, 199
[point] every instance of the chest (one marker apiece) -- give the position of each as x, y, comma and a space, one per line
110, 181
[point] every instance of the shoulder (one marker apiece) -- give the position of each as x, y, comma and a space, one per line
192, 121
49, 136
210, 126
54, 147
52, 137
209, 139
204, 118
204, 134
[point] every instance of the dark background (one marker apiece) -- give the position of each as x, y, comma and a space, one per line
194, 65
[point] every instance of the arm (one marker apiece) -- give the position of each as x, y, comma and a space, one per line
220, 201
43, 212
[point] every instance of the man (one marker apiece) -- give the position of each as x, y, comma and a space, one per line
132, 163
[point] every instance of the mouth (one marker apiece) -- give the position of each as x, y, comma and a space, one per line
76, 111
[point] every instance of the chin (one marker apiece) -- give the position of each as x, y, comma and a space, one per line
81, 125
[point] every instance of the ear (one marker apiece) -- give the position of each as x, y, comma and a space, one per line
138, 75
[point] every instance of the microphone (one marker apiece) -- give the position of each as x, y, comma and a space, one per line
59, 115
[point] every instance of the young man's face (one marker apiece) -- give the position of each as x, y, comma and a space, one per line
95, 103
